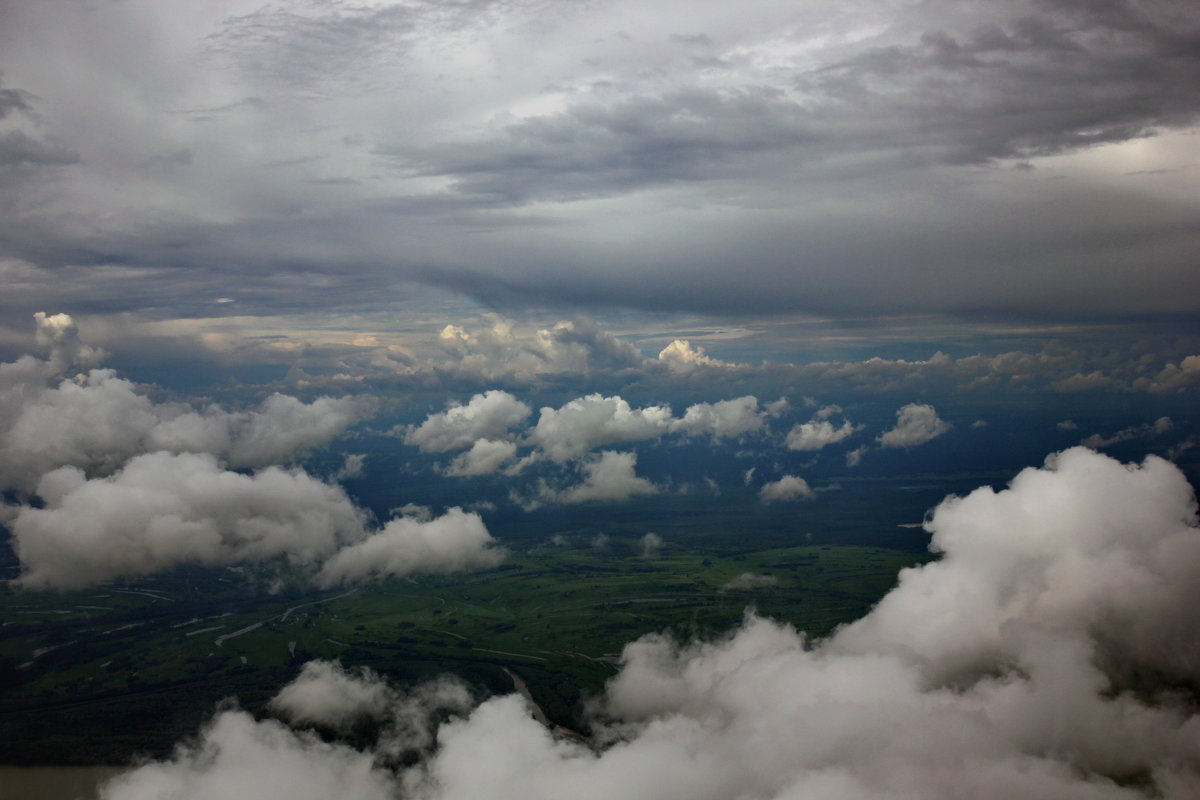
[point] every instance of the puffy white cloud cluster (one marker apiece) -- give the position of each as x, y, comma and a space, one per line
485, 457
489, 415
128, 486
789, 487
682, 357
1002, 670
239, 756
58, 336
819, 432
163, 509
723, 419
567, 433
327, 694
588, 422
501, 351
457, 541
916, 424
1086, 564
608, 476
99, 421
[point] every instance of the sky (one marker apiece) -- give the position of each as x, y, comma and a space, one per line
259, 259
315, 170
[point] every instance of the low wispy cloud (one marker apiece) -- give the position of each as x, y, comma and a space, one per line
1151, 429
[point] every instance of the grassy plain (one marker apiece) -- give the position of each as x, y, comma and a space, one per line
95, 675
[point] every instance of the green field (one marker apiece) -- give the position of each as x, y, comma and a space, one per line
89, 676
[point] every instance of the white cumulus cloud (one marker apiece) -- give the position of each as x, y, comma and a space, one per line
819, 432
485, 416
58, 335
325, 693
454, 542
163, 509
99, 421
916, 423
485, 457
681, 356
789, 487
722, 419
587, 422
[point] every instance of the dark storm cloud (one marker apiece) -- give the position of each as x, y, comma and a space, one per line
814, 158
1070, 77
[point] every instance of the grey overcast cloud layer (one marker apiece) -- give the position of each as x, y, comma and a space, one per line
1035, 159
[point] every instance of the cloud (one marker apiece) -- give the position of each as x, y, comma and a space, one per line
651, 544
327, 694
1067, 425
501, 351
750, 580
1182, 447
1083, 565
916, 423
59, 336
593, 421
238, 755
1157, 428
608, 476
1091, 382
854, 457
485, 416
99, 421
1173, 377
457, 541
681, 356
163, 509
787, 488
353, 466
485, 457
810, 136
723, 419
819, 432
1016, 665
